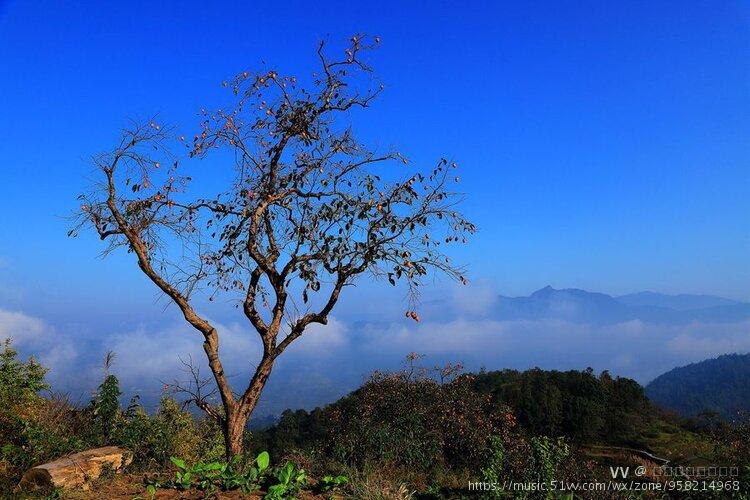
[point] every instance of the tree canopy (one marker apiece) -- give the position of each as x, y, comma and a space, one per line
306, 209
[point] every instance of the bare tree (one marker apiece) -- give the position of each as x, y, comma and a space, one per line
306, 211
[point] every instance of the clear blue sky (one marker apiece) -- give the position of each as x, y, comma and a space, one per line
603, 145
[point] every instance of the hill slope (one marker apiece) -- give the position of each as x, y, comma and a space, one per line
721, 384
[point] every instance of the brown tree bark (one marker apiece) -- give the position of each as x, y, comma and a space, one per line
234, 432
239, 413
75, 470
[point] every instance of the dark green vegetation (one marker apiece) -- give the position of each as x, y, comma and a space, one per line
537, 425
429, 431
575, 404
391, 415
720, 385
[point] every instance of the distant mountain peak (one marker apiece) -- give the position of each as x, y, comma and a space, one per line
547, 290
575, 304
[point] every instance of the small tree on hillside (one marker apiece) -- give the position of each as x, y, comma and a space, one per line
305, 210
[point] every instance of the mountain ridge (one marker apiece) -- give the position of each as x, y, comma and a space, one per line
578, 305
682, 301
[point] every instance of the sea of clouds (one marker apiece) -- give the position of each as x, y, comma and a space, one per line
329, 361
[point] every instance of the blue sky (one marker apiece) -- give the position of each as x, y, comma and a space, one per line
603, 145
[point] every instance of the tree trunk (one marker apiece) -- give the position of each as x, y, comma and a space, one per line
234, 432
237, 416
238, 413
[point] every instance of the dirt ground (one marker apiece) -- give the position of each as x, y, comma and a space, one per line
131, 486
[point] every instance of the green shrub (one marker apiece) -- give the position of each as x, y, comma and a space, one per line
36, 429
575, 404
105, 410
19, 382
413, 422
493, 469
549, 455
33, 429
538, 460
171, 431
426, 424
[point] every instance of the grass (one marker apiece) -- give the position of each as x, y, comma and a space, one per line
678, 444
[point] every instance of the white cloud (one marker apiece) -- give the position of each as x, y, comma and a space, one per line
34, 336
60, 358
145, 356
22, 327
631, 348
322, 339
698, 341
329, 359
476, 298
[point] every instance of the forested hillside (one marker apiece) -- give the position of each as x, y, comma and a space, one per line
720, 385
577, 404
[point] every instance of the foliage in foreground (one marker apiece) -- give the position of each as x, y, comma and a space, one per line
414, 430
36, 429
408, 419
32, 429
546, 460
278, 482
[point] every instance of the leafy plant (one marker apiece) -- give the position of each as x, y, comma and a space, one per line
291, 479
171, 431
538, 460
548, 455
250, 479
330, 483
492, 471
214, 475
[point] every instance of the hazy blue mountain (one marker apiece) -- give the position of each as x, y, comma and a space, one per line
731, 313
681, 302
570, 303
719, 385
582, 306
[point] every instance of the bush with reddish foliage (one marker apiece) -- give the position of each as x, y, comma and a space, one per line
413, 420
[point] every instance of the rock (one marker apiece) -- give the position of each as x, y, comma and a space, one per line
76, 469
